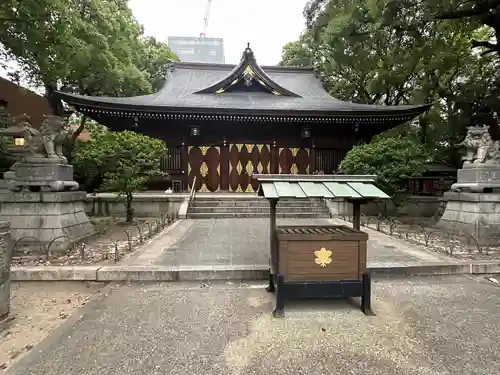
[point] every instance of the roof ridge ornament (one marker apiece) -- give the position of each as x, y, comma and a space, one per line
248, 54
247, 72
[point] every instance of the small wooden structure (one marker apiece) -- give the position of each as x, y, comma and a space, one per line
318, 261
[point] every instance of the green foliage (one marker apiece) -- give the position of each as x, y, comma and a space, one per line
122, 161
484, 11
89, 47
391, 159
396, 52
298, 53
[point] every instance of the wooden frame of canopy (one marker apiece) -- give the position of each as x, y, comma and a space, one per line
357, 189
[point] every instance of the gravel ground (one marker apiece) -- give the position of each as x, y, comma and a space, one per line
423, 326
101, 248
459, 245
38, 308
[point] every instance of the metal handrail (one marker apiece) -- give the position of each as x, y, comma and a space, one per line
193, 191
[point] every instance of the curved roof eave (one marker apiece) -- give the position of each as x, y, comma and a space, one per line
357, 110
190, 88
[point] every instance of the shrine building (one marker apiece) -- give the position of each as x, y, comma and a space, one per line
222, 123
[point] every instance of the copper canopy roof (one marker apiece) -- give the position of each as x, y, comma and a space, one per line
273, 186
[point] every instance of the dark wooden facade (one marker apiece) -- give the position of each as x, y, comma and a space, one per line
222, 123
229, 166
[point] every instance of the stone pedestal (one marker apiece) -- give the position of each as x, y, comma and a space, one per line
478, 178
45, 221
41, 175
476, 214
5, 258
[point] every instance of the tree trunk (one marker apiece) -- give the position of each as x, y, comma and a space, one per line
128, 208
70, 145
423, 130
55, 102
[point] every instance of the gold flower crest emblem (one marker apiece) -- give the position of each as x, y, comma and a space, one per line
323, 257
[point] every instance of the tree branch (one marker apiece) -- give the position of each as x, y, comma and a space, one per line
79, 130
490, 46
6, 19
479, 8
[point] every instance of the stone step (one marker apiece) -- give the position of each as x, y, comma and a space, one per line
258, 209
211, 215
296, 203
253, 199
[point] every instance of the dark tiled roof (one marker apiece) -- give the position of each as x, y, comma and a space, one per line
186, 79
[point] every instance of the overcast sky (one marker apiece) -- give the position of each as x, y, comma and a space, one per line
267, 24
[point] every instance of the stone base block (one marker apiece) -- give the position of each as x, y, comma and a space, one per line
46, 221
4, 299
5, 260
476, 214
54, 176
478, 178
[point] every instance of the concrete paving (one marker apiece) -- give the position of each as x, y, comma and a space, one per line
244, 242
424, 326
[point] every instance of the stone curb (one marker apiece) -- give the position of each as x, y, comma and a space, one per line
162, 273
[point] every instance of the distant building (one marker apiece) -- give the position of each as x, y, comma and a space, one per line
198, 49
16, 100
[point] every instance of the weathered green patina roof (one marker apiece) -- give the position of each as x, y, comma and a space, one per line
276, 186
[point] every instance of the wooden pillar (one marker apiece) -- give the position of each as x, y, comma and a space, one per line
185, 166
312, 162
356, 214
224, 166
272, 236
274, 158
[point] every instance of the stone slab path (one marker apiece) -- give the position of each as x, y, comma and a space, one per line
245, 242
426, 326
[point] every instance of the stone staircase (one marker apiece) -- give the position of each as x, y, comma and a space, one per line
254, 207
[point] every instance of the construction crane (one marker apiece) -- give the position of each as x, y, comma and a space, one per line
207, 16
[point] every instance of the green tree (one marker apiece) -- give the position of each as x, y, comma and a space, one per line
485, 11
298, 53
154, 60
87, 47
124, 161
395, 52
392, 159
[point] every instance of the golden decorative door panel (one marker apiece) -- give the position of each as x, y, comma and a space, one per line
294, 160
245, 160
204, 164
